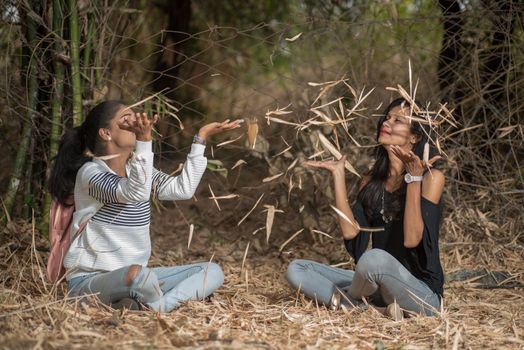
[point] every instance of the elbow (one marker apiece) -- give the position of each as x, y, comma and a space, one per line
413, 240
186, 195
348, 235
411, 244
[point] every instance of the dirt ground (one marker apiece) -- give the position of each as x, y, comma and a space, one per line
255, 308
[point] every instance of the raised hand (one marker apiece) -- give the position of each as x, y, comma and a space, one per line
335, 166
216, 128
140, 124
413, 164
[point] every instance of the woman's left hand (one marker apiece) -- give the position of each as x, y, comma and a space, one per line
414, 165
216, 128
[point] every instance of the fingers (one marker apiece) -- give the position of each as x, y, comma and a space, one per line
433, 160
398, 152
232, 125
140, 120
315, 164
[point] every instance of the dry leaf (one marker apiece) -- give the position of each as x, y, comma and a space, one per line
271, 178
229, 196
229, 141
325, 142
244, 258
322, 233
355, 224
214, 198
249, 212
290, 239
252, 132
426, 152
239, 163
294, 38
191, 228
270, 218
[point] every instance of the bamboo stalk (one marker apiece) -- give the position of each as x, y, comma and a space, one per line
76, 82
56, 104
28, 196
32, 99
88, 49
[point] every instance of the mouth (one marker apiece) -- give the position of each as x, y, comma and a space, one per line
384, 132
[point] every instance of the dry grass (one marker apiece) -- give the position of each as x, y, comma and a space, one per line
255, 308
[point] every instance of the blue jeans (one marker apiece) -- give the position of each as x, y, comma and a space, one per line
377, 271
161, 288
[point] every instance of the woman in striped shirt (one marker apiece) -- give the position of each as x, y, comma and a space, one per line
107, 164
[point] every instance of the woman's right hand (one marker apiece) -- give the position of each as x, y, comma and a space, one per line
337, 167
139, 124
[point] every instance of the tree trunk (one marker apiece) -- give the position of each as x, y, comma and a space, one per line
76, 82
32, 101
449, 61
57, 101
168, 66
503, 14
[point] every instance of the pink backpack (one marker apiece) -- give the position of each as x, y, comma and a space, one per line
60, 218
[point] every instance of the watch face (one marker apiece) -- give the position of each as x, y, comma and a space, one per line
407, 178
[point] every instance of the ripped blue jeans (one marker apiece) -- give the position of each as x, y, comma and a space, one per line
161, 288
377, 275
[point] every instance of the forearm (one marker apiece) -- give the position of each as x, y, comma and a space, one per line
413, 222
183, 186
349, 230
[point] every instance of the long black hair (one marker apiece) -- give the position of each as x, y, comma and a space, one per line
371, 194
73, 146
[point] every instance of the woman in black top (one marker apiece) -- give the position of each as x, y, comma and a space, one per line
400, 195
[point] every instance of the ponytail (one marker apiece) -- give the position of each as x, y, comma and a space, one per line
74, 148
70, 158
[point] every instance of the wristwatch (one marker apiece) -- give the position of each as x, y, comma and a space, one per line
199, 140
410, 178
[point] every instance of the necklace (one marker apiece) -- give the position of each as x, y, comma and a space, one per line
385, 218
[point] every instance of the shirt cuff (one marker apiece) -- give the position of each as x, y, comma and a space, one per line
197, 149
144, 147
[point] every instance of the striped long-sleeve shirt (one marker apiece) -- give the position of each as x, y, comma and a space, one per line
118, 209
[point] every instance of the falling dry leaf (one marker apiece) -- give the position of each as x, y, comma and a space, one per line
322, 233
425, 157
239, 163
325, 142
271, 178
229, 196
294, 38
214, 198
270, 218
252, 132
244, 258
249, 212
290, 239
191, 228
355, 224
292, 165
282, 152
229, 141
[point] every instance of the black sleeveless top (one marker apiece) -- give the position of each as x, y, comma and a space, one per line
422, 261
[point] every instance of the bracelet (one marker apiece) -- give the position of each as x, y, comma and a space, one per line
199, 140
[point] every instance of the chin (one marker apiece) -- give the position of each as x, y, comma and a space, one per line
383, 141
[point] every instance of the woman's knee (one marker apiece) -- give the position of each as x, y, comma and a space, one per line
214, 273
372, 261
295, 272
144, 282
